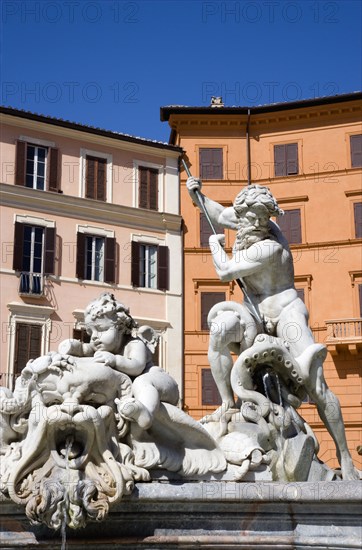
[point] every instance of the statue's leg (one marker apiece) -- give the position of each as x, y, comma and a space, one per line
148, 390
293, 327
330, 413
227, 331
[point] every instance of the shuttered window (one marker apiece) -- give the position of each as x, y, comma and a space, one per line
290, 225
286, 159
150, 266
37, 167
211, 163
148, 188
82, 335
300, 292
358, 219
208, 300
96, 258
95, 178
356, 151
34, 256
210, 393
206, 231
27, 344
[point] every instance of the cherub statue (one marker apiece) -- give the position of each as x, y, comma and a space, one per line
114, 341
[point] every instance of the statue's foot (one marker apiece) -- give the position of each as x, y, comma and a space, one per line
133, 410
222, 414
349, 472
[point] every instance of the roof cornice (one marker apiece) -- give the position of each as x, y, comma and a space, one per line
90, 130
166, 112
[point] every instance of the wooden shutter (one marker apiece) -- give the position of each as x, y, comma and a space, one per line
80, 261
211, 163
356, 151
358, 219
290, 225
162, 268
300, 292
82, 335
279, 161
110, 260
49, 251
292, 158
18, 246
143, 187
206, 231
95, 178
153, 189
208, 300
135, 264
101, 179
53, 176
148, 188
27, 344
210, 393
20, 154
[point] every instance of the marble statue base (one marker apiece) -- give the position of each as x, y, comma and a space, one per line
209, 514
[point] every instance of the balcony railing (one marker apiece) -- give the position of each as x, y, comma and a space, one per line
344, 333
31, 284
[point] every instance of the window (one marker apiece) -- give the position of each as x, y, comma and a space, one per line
301, 294
286, 159
357, 219
95, 178
356, 150
290, 225
208, 300
150, 266
206, 231
148, 188
96, 258
211, 163
82, 335
34, 256
36, 166
27, 344
210, 393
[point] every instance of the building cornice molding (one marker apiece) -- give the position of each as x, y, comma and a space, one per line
78, 132
79, 208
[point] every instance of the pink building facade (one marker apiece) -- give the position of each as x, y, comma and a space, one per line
84, 211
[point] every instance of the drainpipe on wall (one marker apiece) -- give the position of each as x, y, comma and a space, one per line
248, 148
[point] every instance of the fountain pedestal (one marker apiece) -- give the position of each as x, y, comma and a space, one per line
210, 514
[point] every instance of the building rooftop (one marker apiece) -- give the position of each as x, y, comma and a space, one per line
86, 128
220, 109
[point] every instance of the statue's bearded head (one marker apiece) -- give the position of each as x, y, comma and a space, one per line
253, 207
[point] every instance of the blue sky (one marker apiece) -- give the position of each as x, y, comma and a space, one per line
113, 63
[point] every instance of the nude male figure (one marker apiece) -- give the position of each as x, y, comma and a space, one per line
262, 259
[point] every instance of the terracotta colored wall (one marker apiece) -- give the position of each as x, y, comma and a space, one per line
329, 251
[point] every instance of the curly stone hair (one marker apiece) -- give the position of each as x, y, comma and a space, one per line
256, 195
107, 306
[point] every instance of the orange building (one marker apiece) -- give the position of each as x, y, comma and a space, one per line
309, 153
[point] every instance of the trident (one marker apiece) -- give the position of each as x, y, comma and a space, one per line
239, 282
